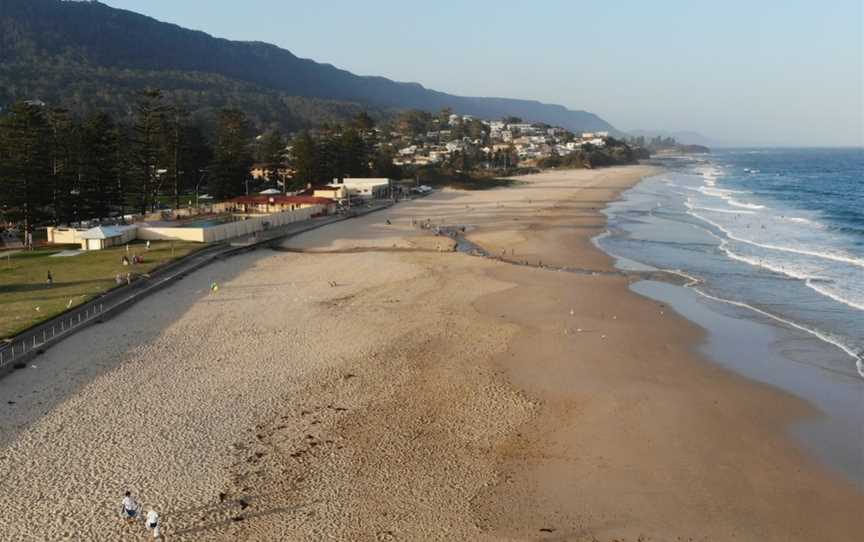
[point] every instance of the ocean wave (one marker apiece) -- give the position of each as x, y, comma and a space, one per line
820, 285
718, 192
823, 336
743, 205
814, 282
832, 256
690, 205
827, 292
759, 262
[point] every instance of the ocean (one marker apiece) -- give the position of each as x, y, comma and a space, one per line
774, 237
777, 231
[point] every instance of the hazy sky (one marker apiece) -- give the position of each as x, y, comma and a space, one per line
757, 71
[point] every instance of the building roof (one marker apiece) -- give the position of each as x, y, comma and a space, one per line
105, 232
281, 200
361, 181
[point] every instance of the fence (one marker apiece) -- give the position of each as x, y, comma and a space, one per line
24, 349
230, 230
29, 343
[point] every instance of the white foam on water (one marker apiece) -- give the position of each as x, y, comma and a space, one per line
827, 292
825, 337
758, 262
801, 220
693, 207
724, 211
743, 205
823, 285
832, 256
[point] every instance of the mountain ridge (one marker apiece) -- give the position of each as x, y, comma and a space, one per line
98, 35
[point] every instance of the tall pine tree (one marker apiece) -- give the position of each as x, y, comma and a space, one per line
65, 192
99, 167
147, 149
232, 159
25, 165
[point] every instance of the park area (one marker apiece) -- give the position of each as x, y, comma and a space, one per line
27, 298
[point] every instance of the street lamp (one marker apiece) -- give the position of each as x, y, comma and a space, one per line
201, 180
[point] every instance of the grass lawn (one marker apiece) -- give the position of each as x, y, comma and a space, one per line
24, 279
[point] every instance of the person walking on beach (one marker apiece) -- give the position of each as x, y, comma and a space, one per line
130, 508
153, 523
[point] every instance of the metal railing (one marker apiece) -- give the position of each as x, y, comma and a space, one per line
29, 343
25, 348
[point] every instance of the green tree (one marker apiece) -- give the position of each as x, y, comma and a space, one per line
363, 122
232, 157
196, 158
305, 158
98, 166
413, 123
271, 155
175, 148
383, 166
25, 165
351, 155
476, 130
147, 148
65, 189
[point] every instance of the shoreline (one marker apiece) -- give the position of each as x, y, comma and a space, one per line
766, 348
689, 338
353, 390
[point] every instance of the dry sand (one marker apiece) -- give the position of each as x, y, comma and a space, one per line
428, 395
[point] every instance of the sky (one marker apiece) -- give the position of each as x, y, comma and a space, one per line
767, 72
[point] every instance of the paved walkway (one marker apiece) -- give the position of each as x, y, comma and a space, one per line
23, 347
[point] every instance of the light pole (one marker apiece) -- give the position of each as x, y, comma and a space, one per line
201, 180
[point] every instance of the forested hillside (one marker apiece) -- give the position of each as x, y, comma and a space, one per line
88, 55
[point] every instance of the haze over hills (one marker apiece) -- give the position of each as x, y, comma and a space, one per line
88, 54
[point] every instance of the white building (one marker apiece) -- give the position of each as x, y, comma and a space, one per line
103, 237
454, 146
367, 188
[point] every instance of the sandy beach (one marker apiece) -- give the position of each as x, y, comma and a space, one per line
366, 382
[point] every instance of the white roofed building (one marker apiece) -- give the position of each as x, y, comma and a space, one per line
103, 237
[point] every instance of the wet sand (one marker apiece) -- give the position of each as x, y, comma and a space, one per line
381, 387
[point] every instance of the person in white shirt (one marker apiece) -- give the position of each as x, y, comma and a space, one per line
130, 508
153, 523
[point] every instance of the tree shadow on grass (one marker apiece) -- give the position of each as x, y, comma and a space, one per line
43, 286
